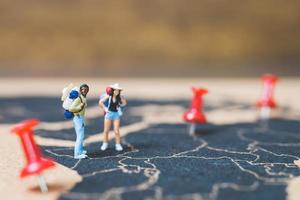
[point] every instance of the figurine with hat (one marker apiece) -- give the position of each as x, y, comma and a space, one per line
111, 103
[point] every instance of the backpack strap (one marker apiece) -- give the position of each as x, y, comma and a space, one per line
82, 107
109, 102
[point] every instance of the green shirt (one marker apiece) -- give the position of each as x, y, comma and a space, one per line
76, 106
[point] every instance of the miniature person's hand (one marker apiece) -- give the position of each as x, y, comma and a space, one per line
123, 101
105, 109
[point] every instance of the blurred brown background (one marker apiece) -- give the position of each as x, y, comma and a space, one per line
149, 38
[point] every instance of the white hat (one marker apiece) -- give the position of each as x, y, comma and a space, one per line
116, 86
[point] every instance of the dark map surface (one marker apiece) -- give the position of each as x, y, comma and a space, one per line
162, 161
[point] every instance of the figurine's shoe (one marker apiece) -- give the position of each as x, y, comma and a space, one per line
119, 147
80, 156
104, 146
84, 152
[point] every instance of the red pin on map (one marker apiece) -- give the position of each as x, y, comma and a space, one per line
195, 114
267, 102
36, 164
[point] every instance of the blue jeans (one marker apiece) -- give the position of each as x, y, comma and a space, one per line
79, 129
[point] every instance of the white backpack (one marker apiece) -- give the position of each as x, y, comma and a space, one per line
69, 94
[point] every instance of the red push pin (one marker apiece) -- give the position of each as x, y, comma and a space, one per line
267, 102
195, 113
36, 164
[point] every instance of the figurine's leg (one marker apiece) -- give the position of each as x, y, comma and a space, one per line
79, 128
82, 135
107, 125
117, 131
117, 135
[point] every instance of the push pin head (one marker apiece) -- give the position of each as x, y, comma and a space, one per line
195, 113
199, 91
267, 100
24, 126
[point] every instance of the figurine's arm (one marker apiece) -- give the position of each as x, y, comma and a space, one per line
101, 103
123, 101
76, 106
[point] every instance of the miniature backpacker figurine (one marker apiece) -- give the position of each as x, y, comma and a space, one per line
111, 103
69, 94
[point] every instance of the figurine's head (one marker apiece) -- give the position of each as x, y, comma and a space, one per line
116, 92
116, 89
84, 89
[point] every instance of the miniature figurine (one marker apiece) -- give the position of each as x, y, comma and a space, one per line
111, 103
78, 108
